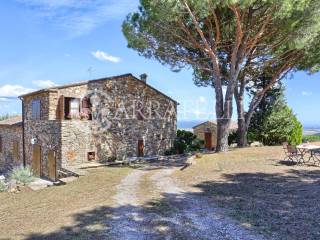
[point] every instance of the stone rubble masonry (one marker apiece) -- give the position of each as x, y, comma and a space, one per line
106, 135
10, 135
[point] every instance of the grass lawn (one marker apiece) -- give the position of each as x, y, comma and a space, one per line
61, 209
261, 192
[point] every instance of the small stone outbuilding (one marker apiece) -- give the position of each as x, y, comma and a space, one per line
207, 132
11, 148
98, 120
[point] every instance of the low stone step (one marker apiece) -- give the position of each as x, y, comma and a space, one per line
67, 179
40, 183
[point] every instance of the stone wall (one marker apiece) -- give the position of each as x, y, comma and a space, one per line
44, 105
116, 121
76, 142
46, 134
10, 135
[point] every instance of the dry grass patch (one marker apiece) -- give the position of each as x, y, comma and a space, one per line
61, 211
258, 190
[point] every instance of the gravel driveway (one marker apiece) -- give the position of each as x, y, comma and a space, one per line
174, 213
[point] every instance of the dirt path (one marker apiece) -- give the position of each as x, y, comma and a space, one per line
178, 214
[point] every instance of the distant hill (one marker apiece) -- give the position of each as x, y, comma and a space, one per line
187, 125
311, 131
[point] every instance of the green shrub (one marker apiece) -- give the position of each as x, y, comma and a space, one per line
185, 142
168, 152
3, 186
179, 146
233, 137
112, 158
196, 145
279, 125
295, 136
22, 174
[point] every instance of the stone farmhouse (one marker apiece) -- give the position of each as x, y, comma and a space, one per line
99, 120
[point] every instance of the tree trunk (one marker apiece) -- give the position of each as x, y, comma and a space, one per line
244, 120
222, 135
242, 124
242, 133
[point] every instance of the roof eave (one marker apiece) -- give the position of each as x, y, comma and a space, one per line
56, 88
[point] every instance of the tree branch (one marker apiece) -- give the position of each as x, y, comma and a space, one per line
214, 59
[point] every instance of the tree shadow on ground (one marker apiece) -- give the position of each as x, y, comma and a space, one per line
185, 215
286, 163
157, 219
284, 206
98, 224
295, 163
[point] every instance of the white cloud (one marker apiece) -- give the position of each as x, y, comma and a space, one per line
7, 91
54, 4
3, 99
103, 56
44, 83
305, 93
80, 17
202, 99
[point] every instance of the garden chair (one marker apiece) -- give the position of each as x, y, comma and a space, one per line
293, 155
285, 149
316, 156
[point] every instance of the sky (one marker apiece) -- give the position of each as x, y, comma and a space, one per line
45, 43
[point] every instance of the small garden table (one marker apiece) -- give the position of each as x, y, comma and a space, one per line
312, 149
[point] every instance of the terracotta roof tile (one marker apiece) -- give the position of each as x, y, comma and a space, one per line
233, 124
17, 120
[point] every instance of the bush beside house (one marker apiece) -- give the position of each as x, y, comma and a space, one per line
18, 176
185, 142
22, 175
3, 185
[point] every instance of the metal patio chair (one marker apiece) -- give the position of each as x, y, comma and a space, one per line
292, 154
285, 149
315, 156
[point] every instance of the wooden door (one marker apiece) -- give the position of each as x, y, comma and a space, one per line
52, 165
208, 140
140, 148
15, 150
36, 160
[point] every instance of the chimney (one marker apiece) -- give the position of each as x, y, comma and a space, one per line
143, 77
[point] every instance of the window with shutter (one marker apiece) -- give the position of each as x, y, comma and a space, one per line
86, 112
60, 115
36, 110
72, 108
